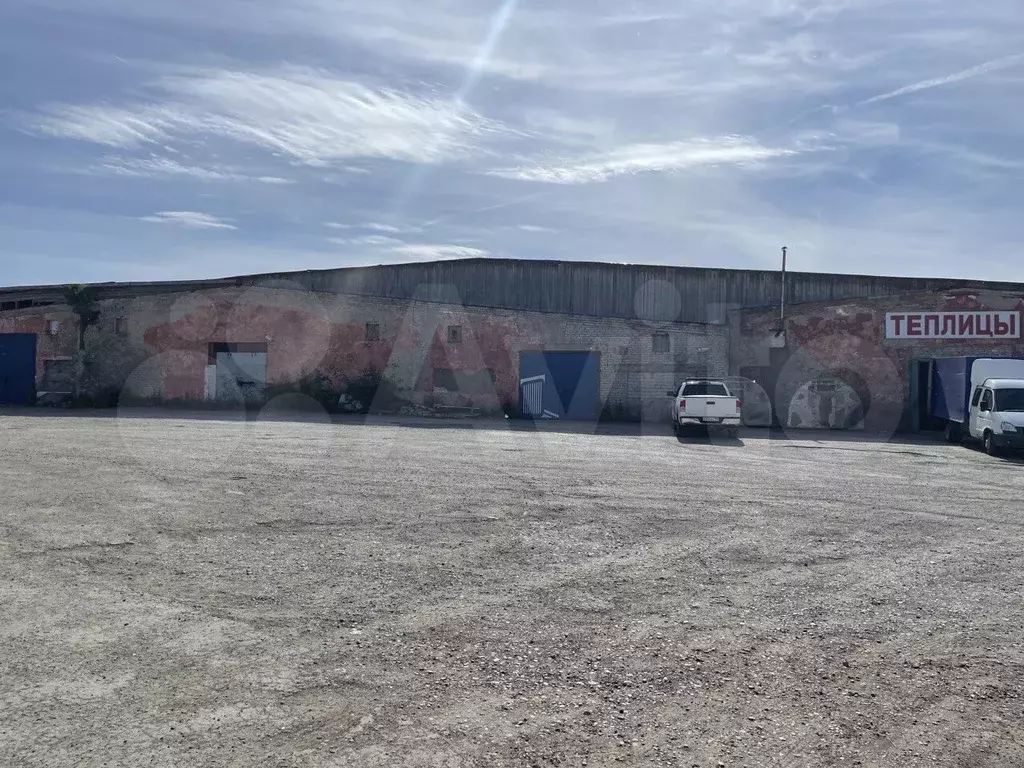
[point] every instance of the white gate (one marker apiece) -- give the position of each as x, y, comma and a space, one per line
532, 395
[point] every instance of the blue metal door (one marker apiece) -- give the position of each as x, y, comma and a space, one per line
17, 368
559, 385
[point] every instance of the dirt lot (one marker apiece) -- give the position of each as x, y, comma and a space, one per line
204, 592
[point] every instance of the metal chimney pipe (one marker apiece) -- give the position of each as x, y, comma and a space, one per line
782, 302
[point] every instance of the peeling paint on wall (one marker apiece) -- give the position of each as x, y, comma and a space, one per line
55, 330
165, 352
847, 343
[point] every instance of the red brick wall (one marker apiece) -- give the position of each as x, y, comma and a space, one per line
166, 349
300, 342
36, 321
850, 336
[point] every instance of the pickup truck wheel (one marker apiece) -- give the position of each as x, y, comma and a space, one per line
990, 445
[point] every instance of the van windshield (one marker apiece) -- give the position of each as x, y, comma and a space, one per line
705, 388
1010, 399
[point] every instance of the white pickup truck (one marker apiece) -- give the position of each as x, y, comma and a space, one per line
705, 404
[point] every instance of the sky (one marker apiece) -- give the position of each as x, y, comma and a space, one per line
153, 140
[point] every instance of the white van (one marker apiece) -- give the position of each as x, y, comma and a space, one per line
997, 414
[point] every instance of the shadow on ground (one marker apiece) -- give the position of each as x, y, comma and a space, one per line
628, 429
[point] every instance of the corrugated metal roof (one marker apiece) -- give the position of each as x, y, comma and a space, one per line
689, 294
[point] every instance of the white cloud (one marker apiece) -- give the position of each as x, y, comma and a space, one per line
645, 158
566, 94
153, 167
534, 228
379, 240
568, 129
428, 252
189, 219
374, 226
305, 114
981, 69
636, 18
455, 36
112, 126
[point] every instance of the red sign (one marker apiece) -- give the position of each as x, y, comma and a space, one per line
953, 325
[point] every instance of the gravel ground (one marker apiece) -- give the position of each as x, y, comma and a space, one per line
204, 592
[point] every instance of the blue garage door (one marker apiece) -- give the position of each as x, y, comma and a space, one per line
17, 368
559, 385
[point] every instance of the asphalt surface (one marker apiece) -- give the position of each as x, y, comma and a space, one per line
202, 592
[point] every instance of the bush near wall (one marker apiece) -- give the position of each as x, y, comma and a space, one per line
373, 391
313, 385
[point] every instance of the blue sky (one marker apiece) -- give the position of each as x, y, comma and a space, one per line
147, 139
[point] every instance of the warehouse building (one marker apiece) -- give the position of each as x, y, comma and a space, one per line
539, 338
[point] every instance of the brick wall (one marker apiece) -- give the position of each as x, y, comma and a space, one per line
164, 341
36, 320
846, 341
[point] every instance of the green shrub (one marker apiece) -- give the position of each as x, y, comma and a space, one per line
313, 385
104, 397
372, 390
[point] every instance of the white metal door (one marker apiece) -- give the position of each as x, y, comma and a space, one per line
985, 416
532, 395
972, 412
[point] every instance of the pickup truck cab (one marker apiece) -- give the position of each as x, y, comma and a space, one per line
705, 404
997, 414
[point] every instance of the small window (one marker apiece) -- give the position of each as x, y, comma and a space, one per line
372, 332
986, 400
977, 398
121, 326
53, 327
661, 343
454, 334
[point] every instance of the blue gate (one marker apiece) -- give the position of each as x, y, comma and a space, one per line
559, 385
17, 368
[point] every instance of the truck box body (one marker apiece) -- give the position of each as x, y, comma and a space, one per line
954, 379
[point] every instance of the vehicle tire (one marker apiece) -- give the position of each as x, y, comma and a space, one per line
953, 432
990, 445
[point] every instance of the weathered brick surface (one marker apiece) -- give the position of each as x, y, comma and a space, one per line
846, 341
36, 320
166, 347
